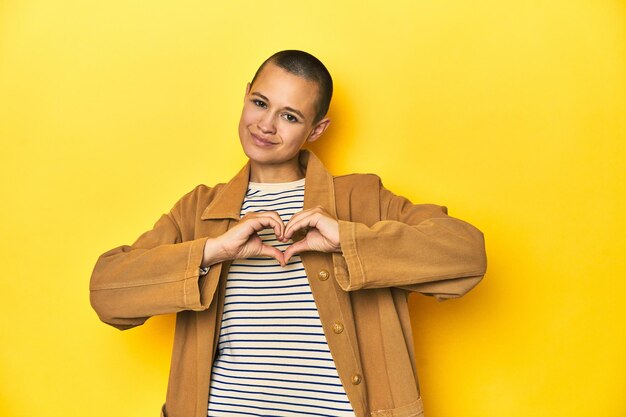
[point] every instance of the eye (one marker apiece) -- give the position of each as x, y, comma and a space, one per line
259, 103
290, 118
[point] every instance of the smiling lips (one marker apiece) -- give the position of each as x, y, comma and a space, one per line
260, 141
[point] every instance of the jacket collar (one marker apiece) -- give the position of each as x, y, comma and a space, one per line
318, 190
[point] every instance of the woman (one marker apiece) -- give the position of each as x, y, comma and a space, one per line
290, 285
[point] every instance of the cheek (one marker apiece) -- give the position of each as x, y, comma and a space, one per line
244, 122
297, 134
248, 115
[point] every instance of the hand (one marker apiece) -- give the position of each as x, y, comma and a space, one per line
322, 235
242, 241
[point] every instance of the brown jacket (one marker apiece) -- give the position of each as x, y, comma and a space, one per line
389, 246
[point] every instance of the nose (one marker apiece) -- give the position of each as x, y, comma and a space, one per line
266, 123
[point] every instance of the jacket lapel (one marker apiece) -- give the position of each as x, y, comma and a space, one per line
319, 189
227, 203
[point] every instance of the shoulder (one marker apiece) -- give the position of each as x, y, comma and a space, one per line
196, 200
356, 181
365, 192
357, 197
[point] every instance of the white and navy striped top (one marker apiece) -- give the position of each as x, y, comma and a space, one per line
273, 358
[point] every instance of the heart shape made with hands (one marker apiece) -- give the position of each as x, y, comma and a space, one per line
320, 233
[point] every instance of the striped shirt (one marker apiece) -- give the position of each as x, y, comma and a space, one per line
273, 358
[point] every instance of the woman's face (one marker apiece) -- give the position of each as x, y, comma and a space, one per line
277, 118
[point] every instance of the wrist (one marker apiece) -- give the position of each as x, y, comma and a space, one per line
213, 253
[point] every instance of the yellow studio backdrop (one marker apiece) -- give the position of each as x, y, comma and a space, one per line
511, 113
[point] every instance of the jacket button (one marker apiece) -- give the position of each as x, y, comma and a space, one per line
337, 327
323, 275
356, 379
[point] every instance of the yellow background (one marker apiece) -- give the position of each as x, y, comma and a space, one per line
511, 113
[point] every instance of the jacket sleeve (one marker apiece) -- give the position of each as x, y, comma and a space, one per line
415, 247
158, 274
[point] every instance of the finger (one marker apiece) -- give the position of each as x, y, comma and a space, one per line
278, 226
280, 235
255, 215
305, 221
272, 252
296, 248
304, 213
266, 222
272, 214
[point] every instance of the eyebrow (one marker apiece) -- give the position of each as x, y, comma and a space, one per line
291, 109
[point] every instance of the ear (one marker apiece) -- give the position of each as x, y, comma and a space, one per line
247, 90
318, 129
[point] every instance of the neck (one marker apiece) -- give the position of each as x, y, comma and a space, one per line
287, 172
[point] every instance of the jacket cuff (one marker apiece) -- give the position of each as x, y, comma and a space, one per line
348, 267
193, 280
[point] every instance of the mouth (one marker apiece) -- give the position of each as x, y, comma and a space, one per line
260, 141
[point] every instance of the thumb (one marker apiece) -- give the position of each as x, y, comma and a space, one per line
298, 247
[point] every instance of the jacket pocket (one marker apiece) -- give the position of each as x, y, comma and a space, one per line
414, 409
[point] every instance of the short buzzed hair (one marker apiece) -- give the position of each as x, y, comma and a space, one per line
305, 65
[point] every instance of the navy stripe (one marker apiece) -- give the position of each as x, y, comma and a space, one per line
295, 197
269, 272
277, 333
273, 325
299, 188
266, 280
279, 395
261, 265
276, 348
271, 288
278, 388
267, 295
286, 403
246, 310
266, 207
306, 342
298, 381
261, 371
259, 206
275, 357
268, 318
268, 302
290, 365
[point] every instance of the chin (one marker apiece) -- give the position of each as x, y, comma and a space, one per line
258, 155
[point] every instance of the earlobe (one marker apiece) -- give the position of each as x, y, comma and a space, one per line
318, 130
